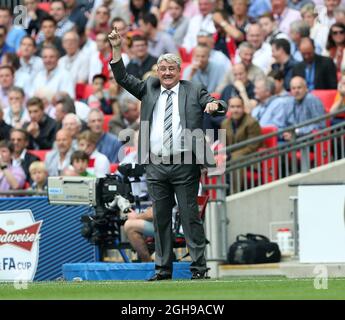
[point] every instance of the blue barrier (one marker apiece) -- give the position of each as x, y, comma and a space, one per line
61, 241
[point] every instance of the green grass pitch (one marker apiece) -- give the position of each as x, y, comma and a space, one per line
275, 288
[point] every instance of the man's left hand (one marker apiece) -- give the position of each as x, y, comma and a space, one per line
211, 107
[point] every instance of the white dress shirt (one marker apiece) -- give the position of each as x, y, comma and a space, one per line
157, 126
57, 80
77, 65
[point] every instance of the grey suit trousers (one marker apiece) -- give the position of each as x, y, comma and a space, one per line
165, 180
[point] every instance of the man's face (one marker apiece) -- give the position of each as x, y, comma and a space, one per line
236, 108
255, 36
122, 28
267, 25
63, 141
80, 166
71, 125
27, 49
48, 29
16, 101
95, 122
102, 15
246, 55
18, 141
175, 10
6, 78
240, 73
98, 84
31, 5
132, 114
101, 42
50, 59
278, 6
57, 11
239, 7
5, 18
277, 53
331, 4
298, 88
139, 49
201, 55
205, 7
307, 52
35, 113
59, 114
261, 93
168, 74
70, 43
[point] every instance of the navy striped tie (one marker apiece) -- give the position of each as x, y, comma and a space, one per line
167, 134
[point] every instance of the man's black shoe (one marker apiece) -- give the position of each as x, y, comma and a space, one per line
196, 275
159, 277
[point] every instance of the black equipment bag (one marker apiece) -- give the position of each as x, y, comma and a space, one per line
253, 248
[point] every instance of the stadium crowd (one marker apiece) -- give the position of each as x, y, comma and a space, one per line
61, 111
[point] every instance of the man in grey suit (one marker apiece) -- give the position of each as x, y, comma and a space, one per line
173, 158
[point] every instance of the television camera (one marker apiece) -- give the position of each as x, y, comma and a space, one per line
111, 197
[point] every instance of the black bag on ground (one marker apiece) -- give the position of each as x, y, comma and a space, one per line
253, 248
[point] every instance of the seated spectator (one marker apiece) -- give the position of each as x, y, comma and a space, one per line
15, 32
52, 76
11, 178
60, 158
202, 21
30, 64
72, 123
137, 227
278, 77
270, 29
283, 60
99, 164
4, 47
41, 127
17, 114
6, 83
270, 110
128, 116
39, 176
178, 25
80, 162
4, 127
158, 42
48, 30
100, 23
137, 9
203, 71
216, 56
36, 15
319, 72
339, 101
318, 32
107, 143
21, 157
74, 62
142, 61
302, 106
327, 17
240, 127
241, 86
245, 53
99, 99
284, 15
336, 45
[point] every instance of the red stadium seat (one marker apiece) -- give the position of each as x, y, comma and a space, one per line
79, 90
41, 154
113, 167
44, 6
88, 91
186, 57
326, 96
107, 118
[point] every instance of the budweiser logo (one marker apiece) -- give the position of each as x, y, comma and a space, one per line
23, 238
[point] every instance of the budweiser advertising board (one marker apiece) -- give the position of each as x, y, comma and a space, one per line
19, 245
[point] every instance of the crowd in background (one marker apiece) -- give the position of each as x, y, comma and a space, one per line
263, 57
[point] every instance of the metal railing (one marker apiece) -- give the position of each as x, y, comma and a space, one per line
286, 158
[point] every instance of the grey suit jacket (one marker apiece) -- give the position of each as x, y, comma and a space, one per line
192, 102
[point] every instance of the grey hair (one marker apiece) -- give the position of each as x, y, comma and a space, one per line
269, 84
246, 45
95, 110
170, 58
73, 116
300, 27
